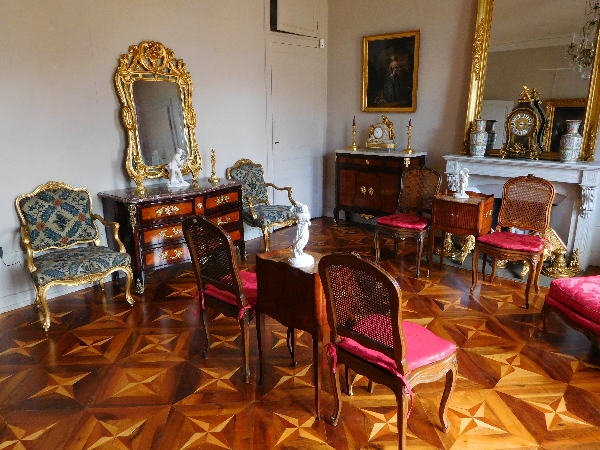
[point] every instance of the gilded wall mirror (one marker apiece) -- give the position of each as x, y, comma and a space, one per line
155, 91
523, 43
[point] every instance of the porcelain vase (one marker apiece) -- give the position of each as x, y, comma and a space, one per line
491, 140
570, 142
478, 138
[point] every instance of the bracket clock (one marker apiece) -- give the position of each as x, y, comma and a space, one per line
524, 127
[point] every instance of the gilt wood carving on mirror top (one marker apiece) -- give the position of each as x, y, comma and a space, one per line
159, 118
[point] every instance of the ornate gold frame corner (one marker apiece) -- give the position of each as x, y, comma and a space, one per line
477, 81
152, 61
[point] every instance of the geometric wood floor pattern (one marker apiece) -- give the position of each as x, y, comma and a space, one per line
111, 376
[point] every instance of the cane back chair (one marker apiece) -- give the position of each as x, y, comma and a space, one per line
62, 242
369, 336
526, 205
419, 186
221, 286
257, 210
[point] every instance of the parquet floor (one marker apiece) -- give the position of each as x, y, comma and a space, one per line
110, 376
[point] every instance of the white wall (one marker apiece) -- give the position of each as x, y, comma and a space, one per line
446, 32
59, 112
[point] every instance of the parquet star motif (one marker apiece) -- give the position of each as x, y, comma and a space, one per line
218, 378
172, 315
224, 341
22, 347
208, 430
578, 364
113, 434
384, 422
19, 439
138, 382
60, 385
282, 339
159, 343
112, 316
296, 375
89, 346
478, 416
56, 317
183, 290
298, 428
556, 414
475, 329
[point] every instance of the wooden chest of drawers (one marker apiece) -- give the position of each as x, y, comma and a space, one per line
368, 182
150, 224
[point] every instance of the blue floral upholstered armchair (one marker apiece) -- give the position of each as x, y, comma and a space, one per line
63, 244
257, 211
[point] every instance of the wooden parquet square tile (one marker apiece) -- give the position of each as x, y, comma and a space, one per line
110, 376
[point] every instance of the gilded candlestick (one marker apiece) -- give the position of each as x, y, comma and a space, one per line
409, 150
353, 146
213, 177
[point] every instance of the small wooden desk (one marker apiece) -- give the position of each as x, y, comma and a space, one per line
469, 216
294, 297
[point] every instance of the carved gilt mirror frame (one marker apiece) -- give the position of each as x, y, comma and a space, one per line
477, 83
152, 62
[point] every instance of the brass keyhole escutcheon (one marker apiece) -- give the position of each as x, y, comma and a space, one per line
363, 189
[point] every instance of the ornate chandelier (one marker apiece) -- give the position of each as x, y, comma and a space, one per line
582, 54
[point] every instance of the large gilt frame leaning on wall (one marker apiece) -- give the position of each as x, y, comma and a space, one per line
476, 86
149, 62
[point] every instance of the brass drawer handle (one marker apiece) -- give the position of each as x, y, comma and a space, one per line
167, 210
199, 206
221, 222
367, 162
371, 191
176, 232
222, 199
363, 189
165, 255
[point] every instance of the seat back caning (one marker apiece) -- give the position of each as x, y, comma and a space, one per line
526, 204
57, 216
365, 307
212, 255
252, 177
419, 186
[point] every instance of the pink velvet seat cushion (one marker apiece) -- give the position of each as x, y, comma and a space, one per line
422, 346
400, 220
249, 285
581, 294
513, 241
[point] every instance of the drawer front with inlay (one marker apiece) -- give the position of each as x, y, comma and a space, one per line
232, 217
154, 236
162, 256
165, 211
221, 200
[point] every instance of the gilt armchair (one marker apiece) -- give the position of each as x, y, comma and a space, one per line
62, 242
257, 210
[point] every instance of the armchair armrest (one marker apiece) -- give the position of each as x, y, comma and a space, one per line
115, 230
287, 188
250, 202
26, 240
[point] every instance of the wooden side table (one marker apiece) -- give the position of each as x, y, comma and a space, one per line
294, 297
469, 216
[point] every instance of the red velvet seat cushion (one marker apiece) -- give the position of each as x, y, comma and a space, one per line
580, 294
422, 346
513, 241
582, 321
400, 220
249, 285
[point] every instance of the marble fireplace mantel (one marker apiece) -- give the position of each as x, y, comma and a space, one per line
566, 177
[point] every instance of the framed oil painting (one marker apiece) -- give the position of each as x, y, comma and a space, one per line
558, 111
390, 72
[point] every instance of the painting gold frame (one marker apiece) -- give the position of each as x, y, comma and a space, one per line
151, 61
558, 110
390, 72
478, 68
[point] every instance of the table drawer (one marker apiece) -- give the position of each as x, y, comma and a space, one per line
163, 211
456, 215
154, 236
162, 256
218, 201
227, 218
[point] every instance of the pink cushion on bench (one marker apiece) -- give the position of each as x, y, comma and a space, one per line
249, 285
422, 346
513, 241
581, 294
400, 220
574, 315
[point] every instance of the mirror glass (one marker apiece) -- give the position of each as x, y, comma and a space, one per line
528, 39
160, 121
